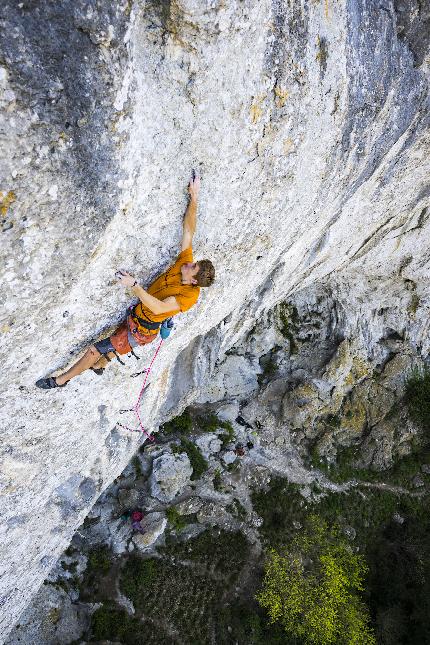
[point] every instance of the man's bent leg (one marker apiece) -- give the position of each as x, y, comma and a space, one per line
90, 358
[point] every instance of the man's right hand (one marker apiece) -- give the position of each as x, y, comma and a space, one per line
194, 187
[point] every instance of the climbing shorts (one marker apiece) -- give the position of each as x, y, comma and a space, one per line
104, 346
126, 337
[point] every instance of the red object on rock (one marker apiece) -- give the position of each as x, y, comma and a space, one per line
136, 516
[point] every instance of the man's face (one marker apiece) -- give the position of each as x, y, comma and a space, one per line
188, 271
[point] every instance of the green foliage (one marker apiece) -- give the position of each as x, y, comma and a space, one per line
197, 461
217, 480
333, 420
345, 469
209, 423
398, 554
137, 466
288, 323
175, 519
137, 573
182, 424
400, 579
417, 396
99, 560
268, 365
186, 585
313, 590
111, 622
237, 509
69, 567
228, 436
100, 564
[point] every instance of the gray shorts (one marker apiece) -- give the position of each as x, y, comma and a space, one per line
105, 346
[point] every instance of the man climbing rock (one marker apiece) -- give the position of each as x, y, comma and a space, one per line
175, 291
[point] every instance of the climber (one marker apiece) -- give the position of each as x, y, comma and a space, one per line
175, 291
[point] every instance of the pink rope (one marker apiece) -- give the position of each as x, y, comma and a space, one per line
136, 407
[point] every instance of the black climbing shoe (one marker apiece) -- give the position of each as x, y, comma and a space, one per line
97, 370
48, 383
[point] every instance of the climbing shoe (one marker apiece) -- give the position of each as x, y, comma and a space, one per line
48, 383
97, 370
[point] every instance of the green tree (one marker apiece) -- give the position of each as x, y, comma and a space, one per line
312, 589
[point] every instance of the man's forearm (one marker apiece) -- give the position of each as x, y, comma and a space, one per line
190, 217
155, 305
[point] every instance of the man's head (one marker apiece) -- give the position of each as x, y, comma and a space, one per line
200, 273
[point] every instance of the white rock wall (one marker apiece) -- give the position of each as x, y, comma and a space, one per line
308, 124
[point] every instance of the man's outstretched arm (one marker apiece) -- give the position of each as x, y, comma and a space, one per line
190, 217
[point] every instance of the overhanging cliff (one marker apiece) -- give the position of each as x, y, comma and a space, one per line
308, 123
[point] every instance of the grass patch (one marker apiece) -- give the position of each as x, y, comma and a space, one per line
99, 560
99, 565
268, 365
417, 396
69, 567
185, 424
197, 461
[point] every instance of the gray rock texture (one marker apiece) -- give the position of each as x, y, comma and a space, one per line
170, 475
153, 526
309, 124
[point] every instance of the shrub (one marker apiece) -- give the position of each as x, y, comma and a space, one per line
228, 436
182, 424
137, 466
217, 480
209, 423
313, 589
237, 509
175, 519
417, 396
99, 560
109, 621
197, 461
135, 574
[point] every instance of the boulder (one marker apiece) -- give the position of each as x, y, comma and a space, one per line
209, 444
120, 533
229, 457
129, 498
170, 475
189, 506
153, 525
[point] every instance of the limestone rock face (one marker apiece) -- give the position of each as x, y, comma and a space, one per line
170, 475
153, 525
308, 122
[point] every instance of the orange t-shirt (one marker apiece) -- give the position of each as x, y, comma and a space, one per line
169, 284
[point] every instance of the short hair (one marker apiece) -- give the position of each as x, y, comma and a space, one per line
206, 273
